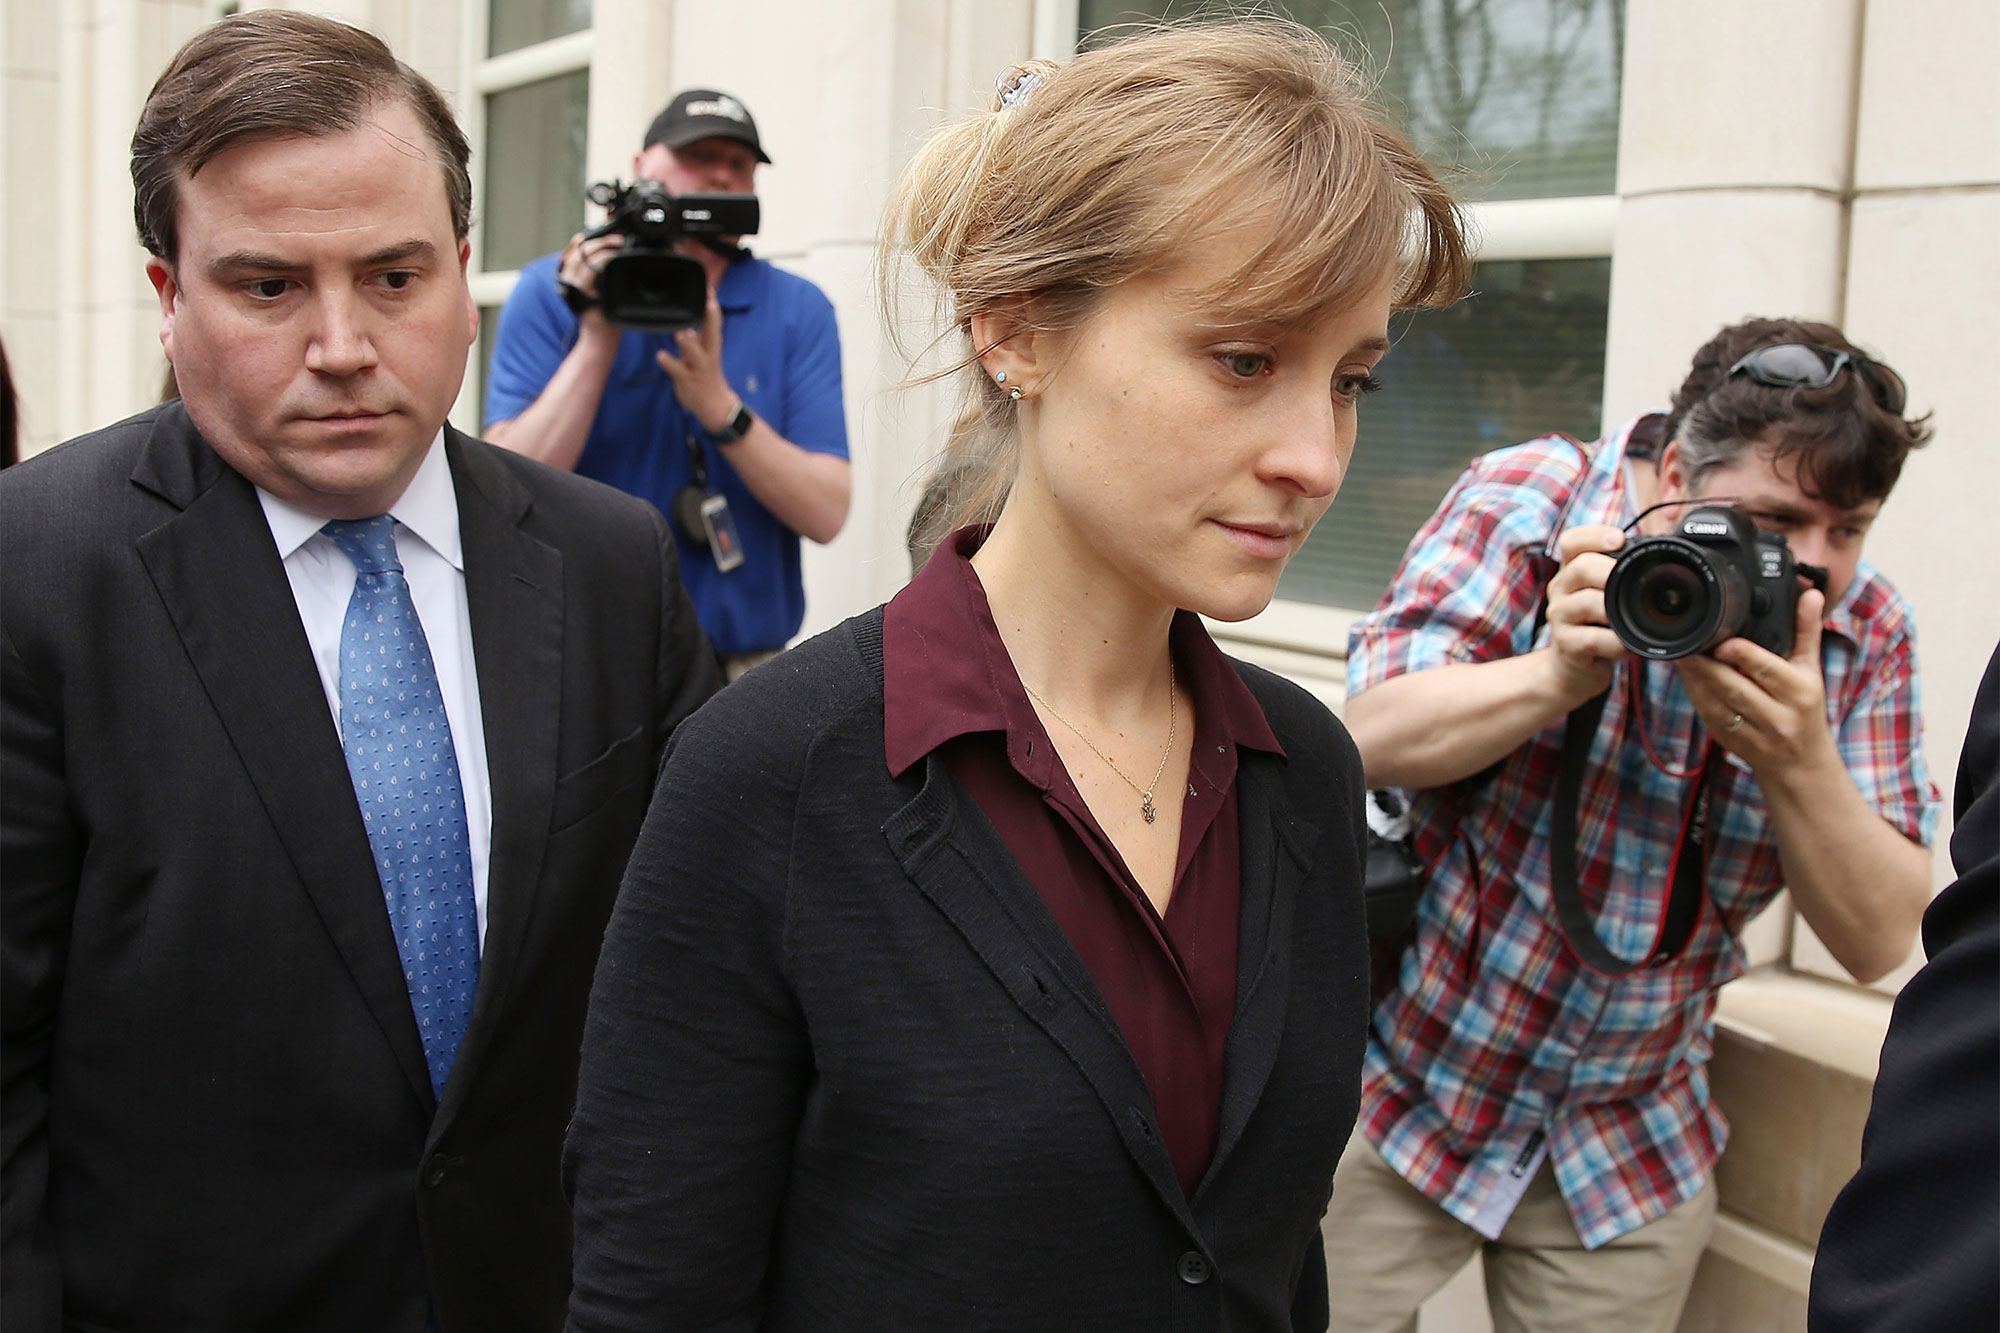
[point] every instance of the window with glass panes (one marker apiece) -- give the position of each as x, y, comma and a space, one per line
514, 24
531, 136
1518, 99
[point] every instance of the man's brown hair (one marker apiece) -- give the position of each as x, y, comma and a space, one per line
1850, 448
275, 74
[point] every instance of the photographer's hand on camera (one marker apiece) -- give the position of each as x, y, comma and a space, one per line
582, 259
1432, 727
1768, 711
1860, 884
553, 428
1582, 647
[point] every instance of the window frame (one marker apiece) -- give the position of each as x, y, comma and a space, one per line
1577, 227
524, 65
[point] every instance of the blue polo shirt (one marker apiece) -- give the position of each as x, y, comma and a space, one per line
780, 352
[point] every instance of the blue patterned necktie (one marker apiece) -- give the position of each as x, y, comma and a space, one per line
405, 771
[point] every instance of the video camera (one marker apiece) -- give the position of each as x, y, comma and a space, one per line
646, 285
1718, 576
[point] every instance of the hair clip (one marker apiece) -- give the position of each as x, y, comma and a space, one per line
1015, 90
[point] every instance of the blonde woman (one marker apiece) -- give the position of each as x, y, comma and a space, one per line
996, 959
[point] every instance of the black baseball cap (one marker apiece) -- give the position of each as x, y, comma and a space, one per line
703, 113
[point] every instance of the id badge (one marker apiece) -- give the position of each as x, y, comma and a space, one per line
721, 530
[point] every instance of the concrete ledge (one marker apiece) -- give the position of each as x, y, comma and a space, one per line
1794, 1071
1771, 1256
1730, 1297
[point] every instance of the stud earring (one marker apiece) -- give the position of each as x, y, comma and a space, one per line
1001, 378
1014, 395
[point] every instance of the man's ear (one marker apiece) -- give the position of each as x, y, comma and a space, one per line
471, 306
161, 274
1009, 344
1673, 473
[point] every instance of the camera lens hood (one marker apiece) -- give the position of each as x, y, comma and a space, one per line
1667, 597
655, 291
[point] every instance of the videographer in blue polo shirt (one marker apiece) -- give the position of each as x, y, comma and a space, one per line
746, 407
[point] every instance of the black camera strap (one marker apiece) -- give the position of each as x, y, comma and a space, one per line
697, 463
688, 501
1686, 876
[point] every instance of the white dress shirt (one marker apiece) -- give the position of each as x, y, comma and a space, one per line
427, 544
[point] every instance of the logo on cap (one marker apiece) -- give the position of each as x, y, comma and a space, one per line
727, 107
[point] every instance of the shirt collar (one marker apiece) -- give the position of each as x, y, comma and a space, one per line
1864, 600
428, 507
946, 673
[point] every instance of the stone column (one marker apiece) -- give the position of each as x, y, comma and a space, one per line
1734, 161
106, 360
1923, 289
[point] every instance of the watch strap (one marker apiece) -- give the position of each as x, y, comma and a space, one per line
576, 298
736, 428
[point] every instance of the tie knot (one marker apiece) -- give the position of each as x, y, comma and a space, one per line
369, 542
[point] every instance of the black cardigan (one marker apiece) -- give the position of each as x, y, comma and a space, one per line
843, 1071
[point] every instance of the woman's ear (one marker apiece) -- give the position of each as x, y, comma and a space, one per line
1009, 345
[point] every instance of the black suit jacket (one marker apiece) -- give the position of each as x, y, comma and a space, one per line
843, 1070
216, 1110
1913, 1241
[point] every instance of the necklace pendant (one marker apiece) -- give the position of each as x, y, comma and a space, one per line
1146, 808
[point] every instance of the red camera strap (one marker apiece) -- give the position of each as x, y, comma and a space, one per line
1686, 874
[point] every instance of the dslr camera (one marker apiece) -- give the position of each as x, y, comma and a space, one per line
1715, 577
646, 285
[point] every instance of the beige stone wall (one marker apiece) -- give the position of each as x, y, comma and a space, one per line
1923, 283
76, 311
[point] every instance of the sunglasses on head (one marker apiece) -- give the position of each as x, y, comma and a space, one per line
1810, 366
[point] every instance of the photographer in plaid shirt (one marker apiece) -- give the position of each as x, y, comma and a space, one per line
1514, 1099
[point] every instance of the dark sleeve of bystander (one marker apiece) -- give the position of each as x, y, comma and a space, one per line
10, 416
1913, 1241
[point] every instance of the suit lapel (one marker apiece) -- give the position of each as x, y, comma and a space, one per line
514, 597
218, 573
1274, 866
961, 863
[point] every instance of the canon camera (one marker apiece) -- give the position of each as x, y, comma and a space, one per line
646, 285
1715, 577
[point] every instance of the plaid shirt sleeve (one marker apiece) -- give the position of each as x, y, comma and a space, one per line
1471, 578
1878, 720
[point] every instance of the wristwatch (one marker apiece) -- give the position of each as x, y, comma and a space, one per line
737, 427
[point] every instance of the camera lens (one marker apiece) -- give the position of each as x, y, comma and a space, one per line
1666, 598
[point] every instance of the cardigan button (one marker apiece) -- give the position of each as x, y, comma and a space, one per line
1194, 1268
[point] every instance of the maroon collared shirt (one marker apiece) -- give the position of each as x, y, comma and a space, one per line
1169, 981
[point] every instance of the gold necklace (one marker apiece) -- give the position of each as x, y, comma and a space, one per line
1146, 806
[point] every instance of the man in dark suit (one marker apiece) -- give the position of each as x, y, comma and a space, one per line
311, 827
1913, 1241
